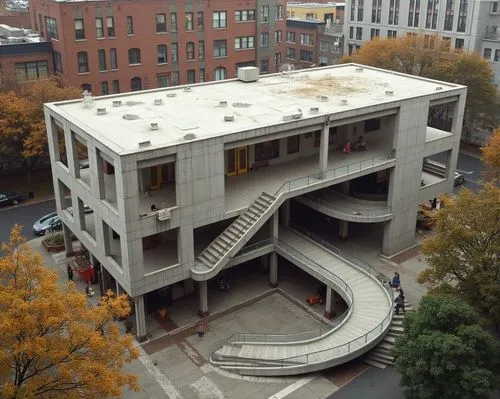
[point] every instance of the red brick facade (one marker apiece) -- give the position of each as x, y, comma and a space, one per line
34, 61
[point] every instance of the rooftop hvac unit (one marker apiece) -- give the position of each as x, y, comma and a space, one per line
248, 74
163, 214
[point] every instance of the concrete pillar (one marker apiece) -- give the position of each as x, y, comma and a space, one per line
330, 303
68, 243
343, 229
140, 319
285, 213
273, 270
101, 190
203, 294
118, 288
323, 149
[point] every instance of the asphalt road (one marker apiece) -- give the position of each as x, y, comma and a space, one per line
468, 165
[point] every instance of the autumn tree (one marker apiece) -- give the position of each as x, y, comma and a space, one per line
53, 344
444, 353
430, 57
490, 155
463, 254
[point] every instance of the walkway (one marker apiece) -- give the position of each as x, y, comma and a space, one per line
366, 324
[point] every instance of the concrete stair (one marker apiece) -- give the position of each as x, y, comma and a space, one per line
217, 254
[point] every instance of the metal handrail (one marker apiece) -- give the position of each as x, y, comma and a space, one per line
348, 346
288, 187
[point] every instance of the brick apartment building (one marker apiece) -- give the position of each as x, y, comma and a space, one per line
124, 45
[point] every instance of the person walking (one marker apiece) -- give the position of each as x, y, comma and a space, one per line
396, 281
400, 301
69, 269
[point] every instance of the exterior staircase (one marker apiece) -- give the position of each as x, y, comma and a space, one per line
382, 356
232, 239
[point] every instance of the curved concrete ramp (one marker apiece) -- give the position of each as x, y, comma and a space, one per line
367, 323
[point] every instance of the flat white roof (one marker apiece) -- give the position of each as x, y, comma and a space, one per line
272, 100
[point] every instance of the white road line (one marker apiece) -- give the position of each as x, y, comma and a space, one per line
206, 389
156, 373
291, 388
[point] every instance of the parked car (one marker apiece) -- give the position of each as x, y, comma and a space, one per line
10, 198
50, 222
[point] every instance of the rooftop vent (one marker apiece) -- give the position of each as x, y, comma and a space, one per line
314, 110
117, 103
322, 98
189, 136
389, 93
359, 69
287, 118
130, 117
438, 88
297, 115
228, 118
241, 105
154, 126
343, 101
172, 95
101, 111
187, 89
158, 101
222, 103
144, 144
131, 103
248, 74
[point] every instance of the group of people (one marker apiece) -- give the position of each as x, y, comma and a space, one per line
359, 145
400, 299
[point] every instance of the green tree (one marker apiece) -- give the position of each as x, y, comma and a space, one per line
444, 353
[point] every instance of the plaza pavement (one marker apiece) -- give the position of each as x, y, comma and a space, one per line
175, 364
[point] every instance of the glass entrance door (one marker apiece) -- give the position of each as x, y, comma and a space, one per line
242, 160
237, 161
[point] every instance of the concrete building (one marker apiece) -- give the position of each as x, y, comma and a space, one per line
326, 11
185, 182
125, 46
469, 25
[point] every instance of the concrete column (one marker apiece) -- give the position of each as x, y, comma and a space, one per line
203, 293
343, 229
68, 243
330, 303
140, 319
323, 149
101, 191
273, 270
275, 225
285, 213
119, 290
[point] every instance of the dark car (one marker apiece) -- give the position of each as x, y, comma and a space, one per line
10, 198
50, 222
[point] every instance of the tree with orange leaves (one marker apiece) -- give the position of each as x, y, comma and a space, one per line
52, 343
491, 155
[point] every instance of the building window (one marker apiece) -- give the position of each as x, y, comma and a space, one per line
446, 43
175, 78
278, 36
79, 29
135, 84
113, 59
359, 33
353, 10
219, 19
290, 53
487, 54
190, 51
244, 42
449, 14
323, 60
264, 65
462, 15
161, 23
351, 32
104, 88
323, 45
134, 56
99, 29
306, 39
34, 70
374, 33
200, 20
267, 150
173, 21
244, 15
116, 86
432, 12
290, 37
188, 23
83, 62
393, 12
220, 48
111, 26
279, 11
264, 39
306, 56
130, 25
175, 52
101, 55
86, 87
495, 7
497, 56
191, 76
202, 75
361, 5
161, 53
310, 16
57, 62
392, 34
162, 80
264, 14
292, 144
459, 44
372, 125
51, 28
201, 49
220, 73
376, 11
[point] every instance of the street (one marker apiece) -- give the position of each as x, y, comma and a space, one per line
469, 166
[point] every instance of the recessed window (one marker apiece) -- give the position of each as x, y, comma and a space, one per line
191, 76
267, 150
200, 21
219, 19
190, 51
161, 23
134, 56
51, 28
83, 62
104, 88
244, 15
163, 80
201, 49
34, 70
290, 37
113, 58
220, 73
292, 144
306, 56
161, 51
173, 21
244, 42
99, 29
372, 125
135, 84
79, 29
220, 48
130, 25
264, 14
487, 54
175, 52
116, 86
290, 53
110, 23
101, 54
188, 24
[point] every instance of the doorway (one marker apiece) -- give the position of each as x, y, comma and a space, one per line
160, 174
237, 161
